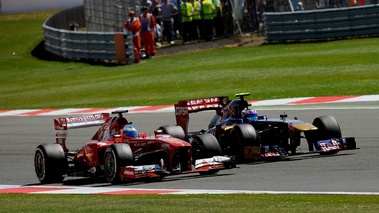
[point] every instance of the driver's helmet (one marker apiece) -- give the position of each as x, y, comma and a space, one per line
250, 114
130, 131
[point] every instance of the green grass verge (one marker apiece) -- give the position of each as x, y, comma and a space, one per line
189, 203
345, 67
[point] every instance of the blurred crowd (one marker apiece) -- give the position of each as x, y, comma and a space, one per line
189, 20
170, 21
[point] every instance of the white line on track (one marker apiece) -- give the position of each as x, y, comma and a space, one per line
7, 189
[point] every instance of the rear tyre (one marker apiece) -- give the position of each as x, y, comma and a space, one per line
240, 136
174, 131
50, 163
327, 128
116, 156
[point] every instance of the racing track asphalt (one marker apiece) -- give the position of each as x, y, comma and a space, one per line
348, 171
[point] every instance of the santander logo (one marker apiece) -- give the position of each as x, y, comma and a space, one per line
181, 111
61, 134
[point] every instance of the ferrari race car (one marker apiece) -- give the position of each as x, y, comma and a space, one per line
247, 136
119, 152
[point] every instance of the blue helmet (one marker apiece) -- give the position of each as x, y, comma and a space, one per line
130, 131
250, 114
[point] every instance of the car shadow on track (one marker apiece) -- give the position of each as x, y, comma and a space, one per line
180, 178
306, 156
299, 157
102, 182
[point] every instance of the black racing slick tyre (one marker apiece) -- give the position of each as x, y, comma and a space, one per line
174, 131
117, 156
50, 163
240, 136
205, 146
327, 128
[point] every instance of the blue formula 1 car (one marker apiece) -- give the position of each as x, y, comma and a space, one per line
247, 136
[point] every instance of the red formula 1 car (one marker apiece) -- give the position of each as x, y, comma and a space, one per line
248, 136
119, 152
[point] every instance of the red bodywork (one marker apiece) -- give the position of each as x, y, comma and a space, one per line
89, 159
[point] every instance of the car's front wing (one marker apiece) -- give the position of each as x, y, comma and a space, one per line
156, 171
335, 144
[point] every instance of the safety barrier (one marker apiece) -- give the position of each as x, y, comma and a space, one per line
65, 35
322, 24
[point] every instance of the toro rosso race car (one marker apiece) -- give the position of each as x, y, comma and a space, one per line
119, 152
247, 136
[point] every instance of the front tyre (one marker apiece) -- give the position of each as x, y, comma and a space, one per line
327, 128
205, 146
50, 163
116, 156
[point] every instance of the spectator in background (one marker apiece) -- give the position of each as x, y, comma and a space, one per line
228, 18
251, 7
133, 25
147, 32
208, 19
300, 6
186, 12
168, 11
149, 5
177, 24
282, 6
218, 20
157, 12
197, 22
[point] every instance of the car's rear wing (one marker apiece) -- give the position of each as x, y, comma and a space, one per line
184, 107
61, 125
